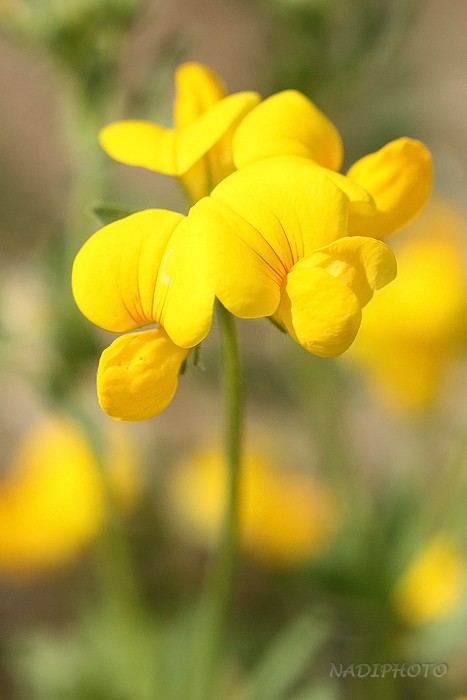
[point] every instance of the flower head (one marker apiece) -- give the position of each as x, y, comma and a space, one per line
285, 236
275, 242
406, 358
197, 148
140, 271
432, 584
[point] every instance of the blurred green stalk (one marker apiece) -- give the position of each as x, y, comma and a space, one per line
215, 608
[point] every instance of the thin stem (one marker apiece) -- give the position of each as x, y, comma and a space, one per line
220, 583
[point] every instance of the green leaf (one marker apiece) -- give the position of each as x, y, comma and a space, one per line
287, 658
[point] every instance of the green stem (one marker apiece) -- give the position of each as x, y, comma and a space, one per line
220, 583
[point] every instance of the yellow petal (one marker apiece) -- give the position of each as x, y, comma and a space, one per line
287, 123
197, 88
142, 143
198, 137
246, 283
399, 177
319, 310
115, 272
258, 223
183, 300
360, 201
138, 374
363, 264
174, 151
216, 162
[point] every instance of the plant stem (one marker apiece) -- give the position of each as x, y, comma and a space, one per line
220, 583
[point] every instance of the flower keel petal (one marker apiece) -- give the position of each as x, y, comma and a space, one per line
138, 375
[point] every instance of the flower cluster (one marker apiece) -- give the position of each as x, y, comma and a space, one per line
274, 231
432, 585
408, 358
285, 516
54, 497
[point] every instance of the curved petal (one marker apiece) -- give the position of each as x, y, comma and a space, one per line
200, 178
246, 282
138, 374
363, 264
250, 242
184, 298
360, 201
141, 143
399, 177
293, 204
319, 310
287, 123
197, 88
174, 151
200, 136
115, 272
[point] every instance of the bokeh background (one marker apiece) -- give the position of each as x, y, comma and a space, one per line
355, 494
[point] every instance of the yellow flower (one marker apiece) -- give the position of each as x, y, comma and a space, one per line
277, 238
135, 272
52, 501
285, 516
197, 149
274, 240
407, 355
398, 176
433, 583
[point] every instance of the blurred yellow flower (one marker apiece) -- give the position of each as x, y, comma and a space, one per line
398, 177
139, 271
197, 149
432, 585
54, 496
273, 237
285, 516
415, 328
